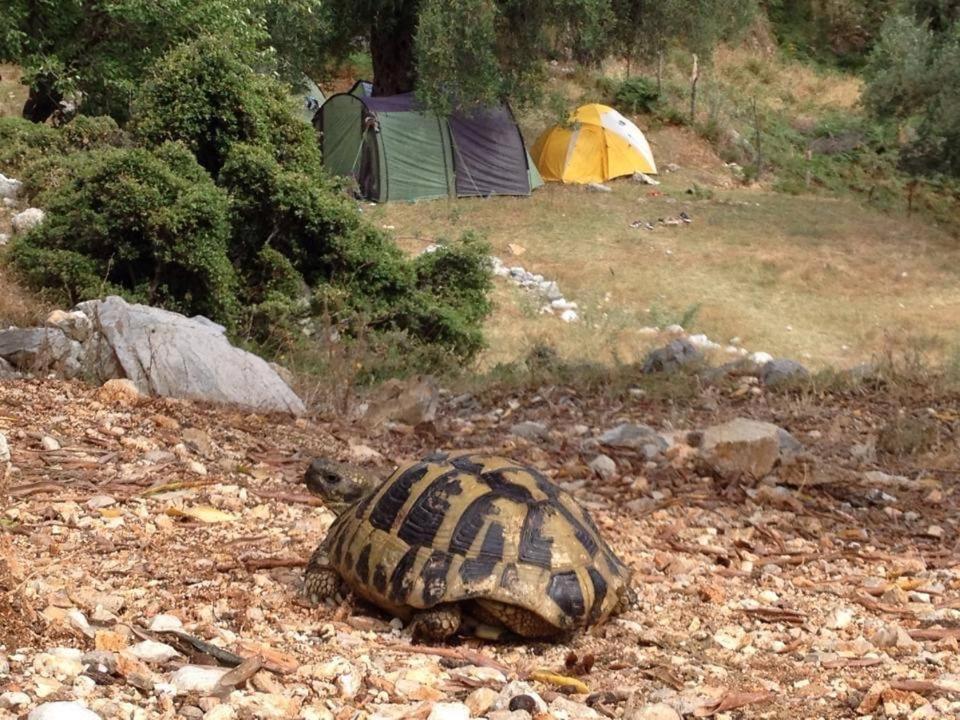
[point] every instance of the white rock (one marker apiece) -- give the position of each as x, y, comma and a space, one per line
659, 711
839, 619
27, 220
165, 623
4, 449
10, 700
60, 663
731, 637
702, 341
9, 188
674, 329
152, 652
565, 709
480, 700
220, 712
563, 304
449, 711
569, 316
100, 501
62, 711
197, 678
49, 444
79, 622
760, 358
75, 325
4, 239
604, 466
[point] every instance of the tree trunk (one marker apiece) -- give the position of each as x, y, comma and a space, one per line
391, 48
694, 77
42, 101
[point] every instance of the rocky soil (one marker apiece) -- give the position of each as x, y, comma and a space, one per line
151, 550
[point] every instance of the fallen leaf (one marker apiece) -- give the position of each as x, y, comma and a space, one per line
203, 513
733, 701
561, 681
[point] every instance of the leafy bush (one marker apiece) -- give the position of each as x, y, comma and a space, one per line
151, 227
637, 94
203, 94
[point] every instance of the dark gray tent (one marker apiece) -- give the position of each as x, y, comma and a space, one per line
397, 151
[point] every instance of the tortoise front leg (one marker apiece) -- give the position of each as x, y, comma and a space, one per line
320, 581
436, 624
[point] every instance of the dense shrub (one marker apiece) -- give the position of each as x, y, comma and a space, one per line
204, 95
637, 94
149, 226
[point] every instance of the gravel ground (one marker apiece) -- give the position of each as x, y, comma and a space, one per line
151, 552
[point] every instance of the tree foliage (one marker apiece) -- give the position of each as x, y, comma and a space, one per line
914, 77
150, 226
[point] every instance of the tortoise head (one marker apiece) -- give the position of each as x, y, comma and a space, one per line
339, 484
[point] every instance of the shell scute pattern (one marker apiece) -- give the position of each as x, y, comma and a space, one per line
452, 528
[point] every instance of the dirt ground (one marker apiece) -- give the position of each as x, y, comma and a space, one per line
829, 590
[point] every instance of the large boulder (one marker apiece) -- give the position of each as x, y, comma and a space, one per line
40, 350
165, 353
672, 357
741, 447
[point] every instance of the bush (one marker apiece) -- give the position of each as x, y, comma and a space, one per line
203, 94
151, 227
637, 94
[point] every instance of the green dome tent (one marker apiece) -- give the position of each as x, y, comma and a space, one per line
397, 151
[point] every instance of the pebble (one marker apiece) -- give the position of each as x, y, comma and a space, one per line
49, 444
449, 711
62, 711
659, 711
604, 466
197, 678
480, 701
565, 709
529, 430
220, 712
152, 652
839, 619
11, 699
100, 501
165, 623
59, 663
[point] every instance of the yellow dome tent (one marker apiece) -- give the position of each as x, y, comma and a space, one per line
598, 144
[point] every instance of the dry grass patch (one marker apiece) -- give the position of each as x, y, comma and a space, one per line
12, 93
18, 306
822, 280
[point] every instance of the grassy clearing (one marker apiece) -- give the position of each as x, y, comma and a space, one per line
824, 280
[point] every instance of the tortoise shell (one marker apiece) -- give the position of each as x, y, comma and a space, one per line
453, 528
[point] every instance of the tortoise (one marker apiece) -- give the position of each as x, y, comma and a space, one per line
460, 539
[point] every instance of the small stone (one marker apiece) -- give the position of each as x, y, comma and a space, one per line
935, 531
673, 356
480, 701
164, 623
565, 709
630, 436
780, 371
49, 444
100, 501
659, 711
731, 637
59, 663
197, 678
152, 652
119, 391
530, 430
839, 619
741, 447
599, 187
62, 711
220, 712
449, 711
769, 597
11, 700
604, 466
523, 702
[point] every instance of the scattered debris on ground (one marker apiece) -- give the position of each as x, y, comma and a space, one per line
150, 557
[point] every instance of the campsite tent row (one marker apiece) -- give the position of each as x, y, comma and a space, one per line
396, 151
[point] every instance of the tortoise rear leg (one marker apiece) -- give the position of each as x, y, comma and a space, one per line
320, 581
518, 620
437, 623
